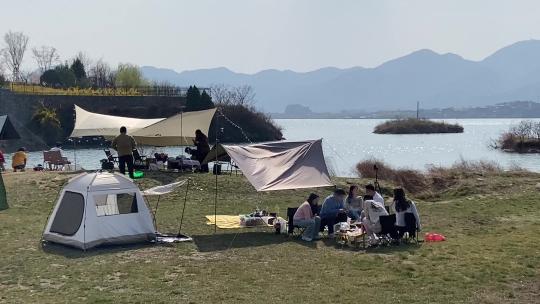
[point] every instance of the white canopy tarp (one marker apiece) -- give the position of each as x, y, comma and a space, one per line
165, 189
176, 130
93, 124
282, 165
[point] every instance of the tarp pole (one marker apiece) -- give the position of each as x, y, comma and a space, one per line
184, 208
215, 173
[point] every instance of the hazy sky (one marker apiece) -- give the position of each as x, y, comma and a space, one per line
251, 35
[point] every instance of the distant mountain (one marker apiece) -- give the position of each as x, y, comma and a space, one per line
436, 80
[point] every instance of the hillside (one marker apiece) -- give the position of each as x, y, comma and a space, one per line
437, 80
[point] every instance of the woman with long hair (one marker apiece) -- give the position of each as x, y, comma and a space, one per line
354, 203
401, 206
304, 217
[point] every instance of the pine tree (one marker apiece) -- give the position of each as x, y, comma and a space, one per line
193, 99
206, 101
78, 69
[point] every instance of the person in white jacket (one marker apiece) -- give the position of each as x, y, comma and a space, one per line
401, 206
371, 222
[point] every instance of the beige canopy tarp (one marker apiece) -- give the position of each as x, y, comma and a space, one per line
282, 165
176, 130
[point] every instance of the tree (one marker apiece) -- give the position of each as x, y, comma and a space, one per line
536, 130
205, 101
130, 76
193, 98
227, 95
78, 70
101, 75
46, 57
13, 54
60, 76
45, 123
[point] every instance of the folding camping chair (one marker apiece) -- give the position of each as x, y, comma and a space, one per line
411, 227
388, 227
139, 161
291, 227
55, 160
110, 157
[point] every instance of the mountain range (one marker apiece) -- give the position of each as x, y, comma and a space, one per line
435, 80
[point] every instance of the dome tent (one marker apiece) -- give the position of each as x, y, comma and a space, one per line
99, 208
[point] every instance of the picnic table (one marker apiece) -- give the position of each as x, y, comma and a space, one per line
354, 236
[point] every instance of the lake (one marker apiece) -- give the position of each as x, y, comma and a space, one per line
347, 141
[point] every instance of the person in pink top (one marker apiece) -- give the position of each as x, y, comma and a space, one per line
303, 217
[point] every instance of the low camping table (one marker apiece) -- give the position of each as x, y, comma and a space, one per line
351, 237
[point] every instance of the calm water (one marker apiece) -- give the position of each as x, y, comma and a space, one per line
347, 141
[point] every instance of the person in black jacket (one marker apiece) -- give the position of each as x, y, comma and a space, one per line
203, 147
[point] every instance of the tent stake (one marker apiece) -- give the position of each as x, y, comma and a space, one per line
184, 208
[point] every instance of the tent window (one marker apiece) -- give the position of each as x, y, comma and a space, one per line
69, 215
113, 204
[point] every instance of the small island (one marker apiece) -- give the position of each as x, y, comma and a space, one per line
416, 126
523, 138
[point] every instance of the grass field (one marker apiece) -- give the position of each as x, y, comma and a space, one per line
492, 252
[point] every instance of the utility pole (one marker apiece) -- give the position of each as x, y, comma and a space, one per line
418, 110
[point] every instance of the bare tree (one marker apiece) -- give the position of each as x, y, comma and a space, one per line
523, 131
13, 54
100, 74
46, 57
536, 130
227, 95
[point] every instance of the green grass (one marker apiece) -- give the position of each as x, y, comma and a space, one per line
491, 256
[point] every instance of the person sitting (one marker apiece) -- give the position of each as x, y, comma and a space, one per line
2, 161
304, 217
332, 210
19, 159
354, 203
372, 212
401, 206
377, 197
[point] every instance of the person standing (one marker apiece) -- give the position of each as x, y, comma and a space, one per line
124, 145
2, 161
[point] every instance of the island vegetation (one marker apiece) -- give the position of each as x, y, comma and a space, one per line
523, 138
416, 126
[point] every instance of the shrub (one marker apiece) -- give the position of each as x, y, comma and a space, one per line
525, 137
434, 179
416, 126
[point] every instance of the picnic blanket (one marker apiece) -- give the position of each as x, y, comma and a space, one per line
224, 221
234, 222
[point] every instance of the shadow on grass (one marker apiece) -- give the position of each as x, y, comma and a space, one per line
166, 177
221, 242
75, 253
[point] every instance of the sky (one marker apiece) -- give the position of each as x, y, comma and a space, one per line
252, 35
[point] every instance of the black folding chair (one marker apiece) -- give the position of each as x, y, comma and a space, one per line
291, 227
110, 157
139, 160
411, 226
388, 227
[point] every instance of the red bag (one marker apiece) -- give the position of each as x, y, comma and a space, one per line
434, 237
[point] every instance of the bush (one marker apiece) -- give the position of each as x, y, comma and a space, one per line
523, 138
240, 123
416, 126
433, 180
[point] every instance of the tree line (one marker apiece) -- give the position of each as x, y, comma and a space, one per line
78, 71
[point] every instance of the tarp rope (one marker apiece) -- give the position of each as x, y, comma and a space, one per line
234, 124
